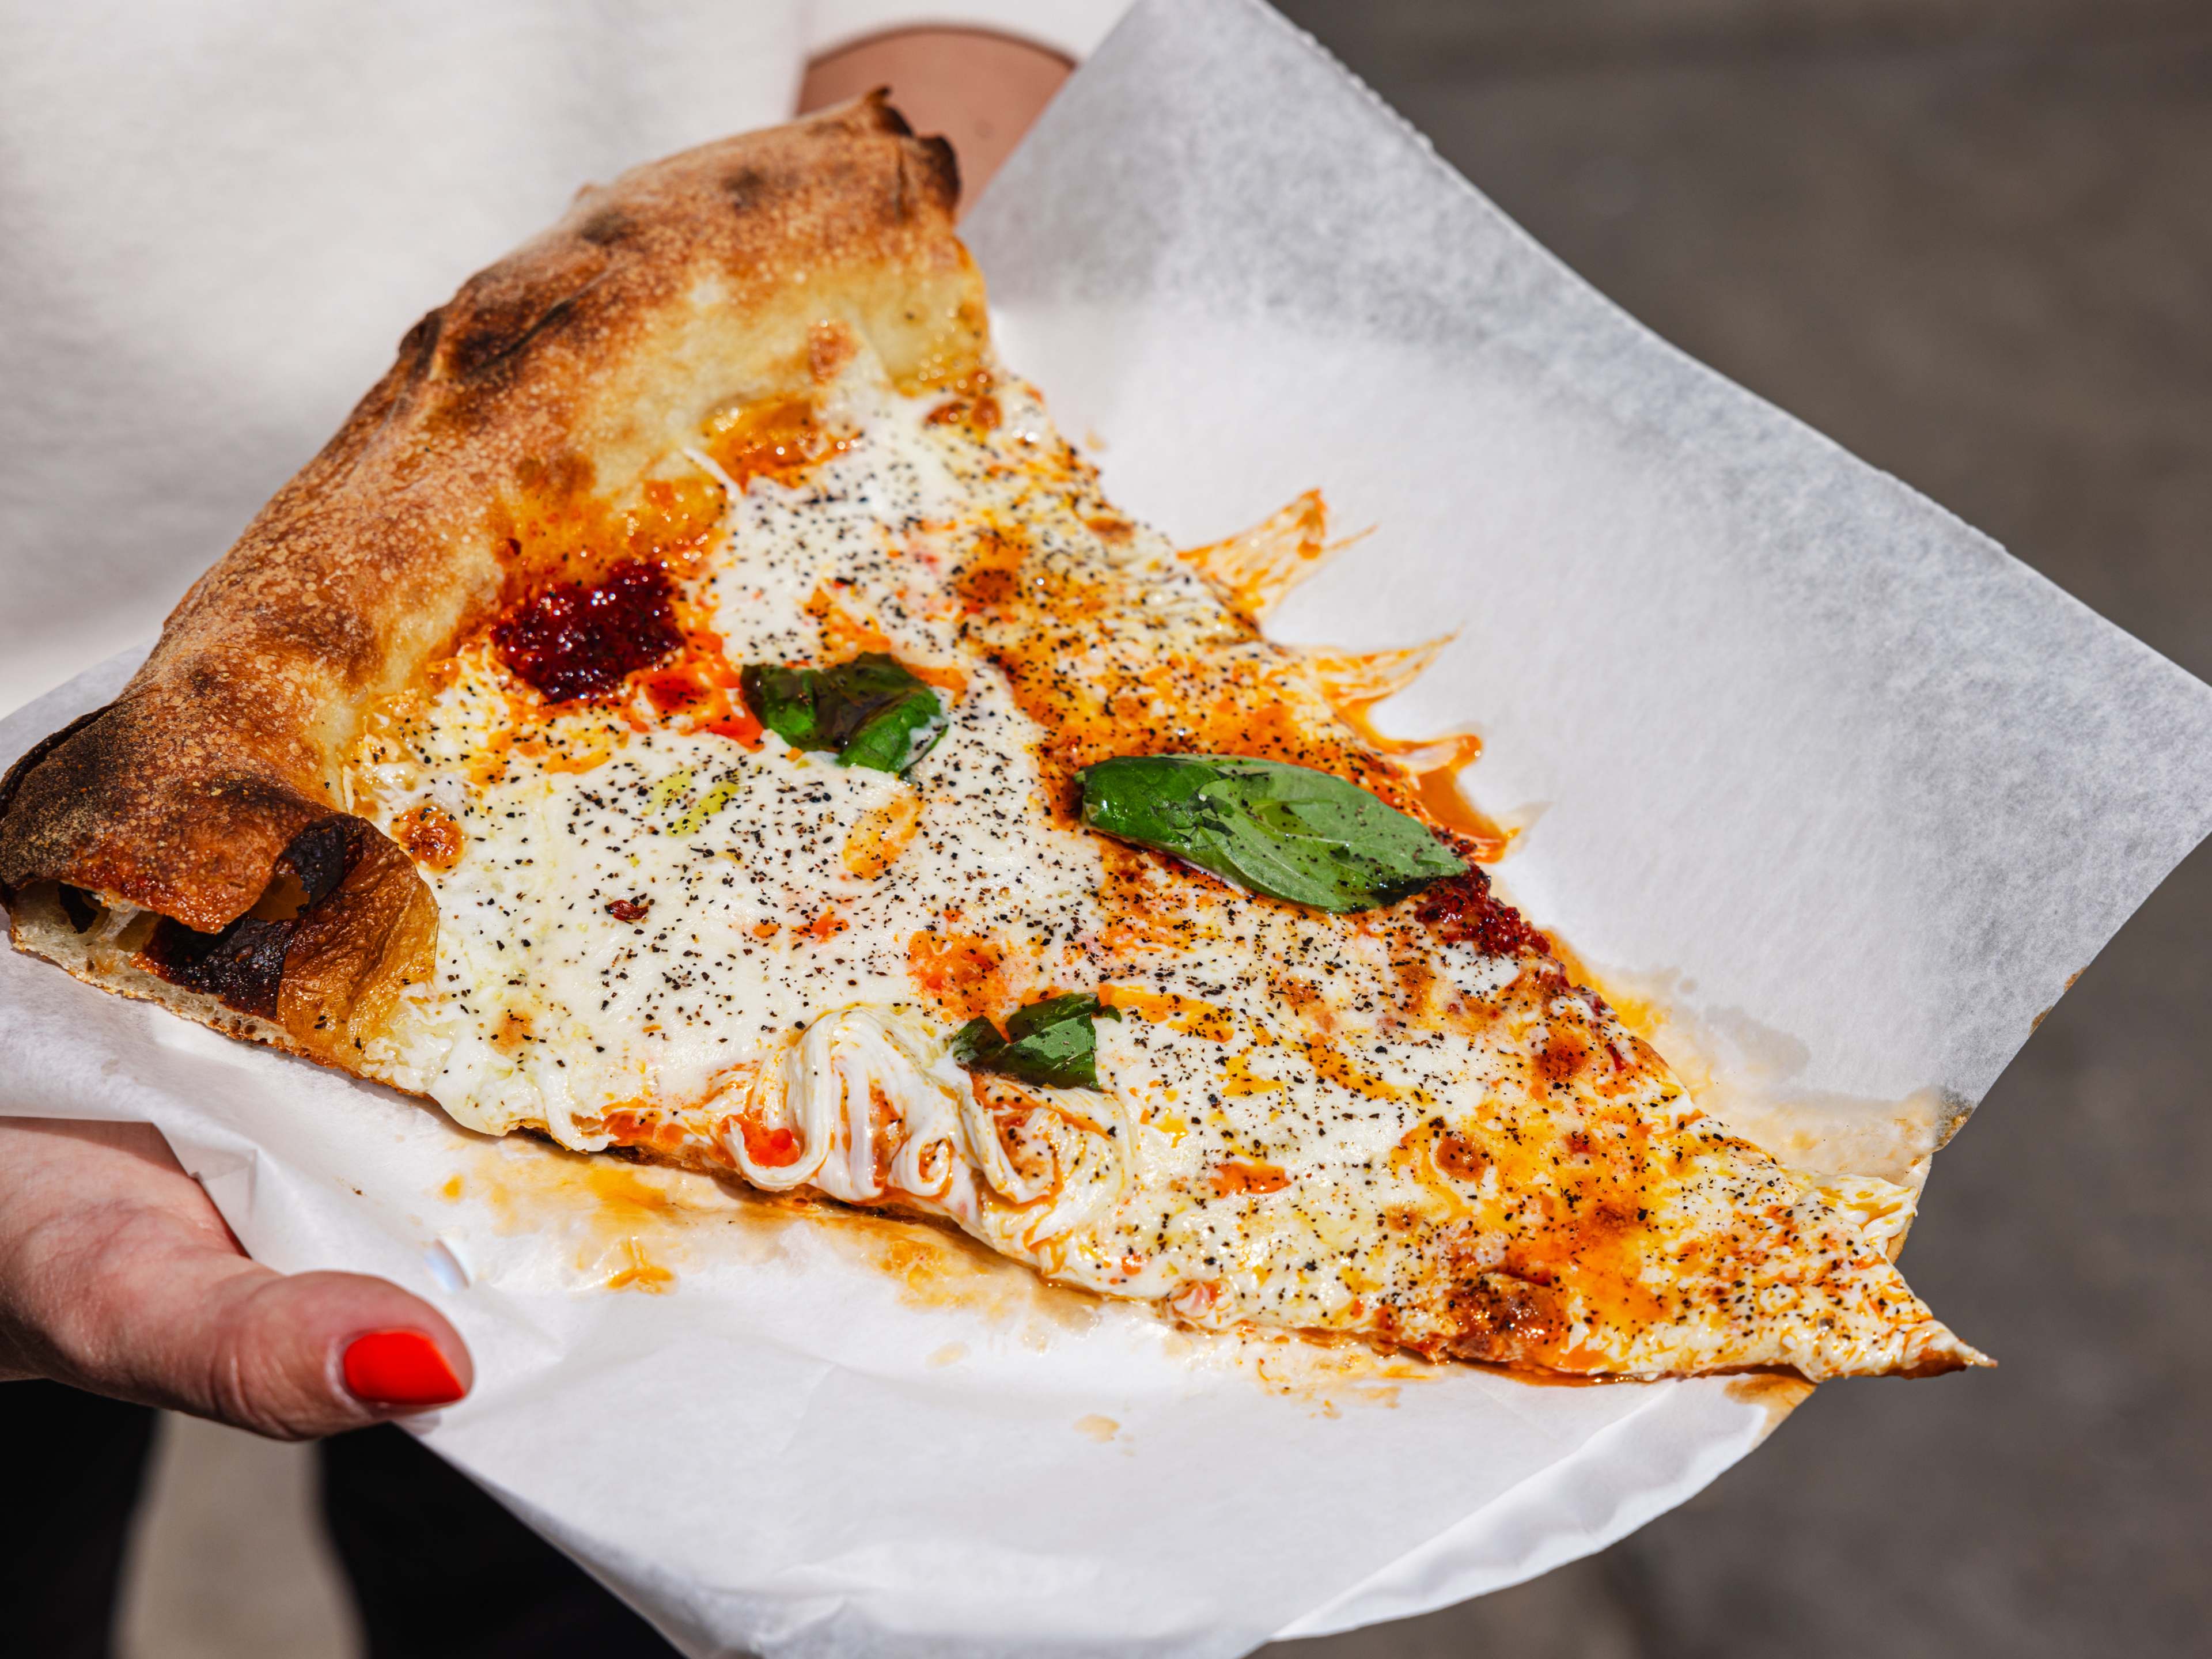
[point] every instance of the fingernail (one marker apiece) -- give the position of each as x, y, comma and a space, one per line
400, 1367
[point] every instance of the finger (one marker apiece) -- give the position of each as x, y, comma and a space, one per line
291, 1356
118, 1275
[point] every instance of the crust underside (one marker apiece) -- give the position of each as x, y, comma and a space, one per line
38, 926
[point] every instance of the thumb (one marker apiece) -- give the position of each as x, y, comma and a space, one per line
300, 1355
118, 1275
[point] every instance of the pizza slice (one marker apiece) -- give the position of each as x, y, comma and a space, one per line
698, 708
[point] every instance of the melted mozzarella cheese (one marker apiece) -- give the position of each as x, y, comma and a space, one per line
753, 957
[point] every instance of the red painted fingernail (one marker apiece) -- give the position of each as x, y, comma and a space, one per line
400, 1368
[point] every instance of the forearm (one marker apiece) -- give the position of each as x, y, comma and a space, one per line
981, 90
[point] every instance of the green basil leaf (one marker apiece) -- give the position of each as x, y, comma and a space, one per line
870, 710
782, 700
1287, 832
849, 696
974, 1043
1052, 1042
898, 735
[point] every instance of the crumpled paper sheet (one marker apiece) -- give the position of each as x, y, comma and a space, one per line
1846, 790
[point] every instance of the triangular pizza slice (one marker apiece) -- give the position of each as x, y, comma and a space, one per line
699, 708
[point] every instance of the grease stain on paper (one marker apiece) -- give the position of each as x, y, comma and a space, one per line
1327, 1373
936, 1267
637, 1226
628, 1268
623, 1226
1776, 1393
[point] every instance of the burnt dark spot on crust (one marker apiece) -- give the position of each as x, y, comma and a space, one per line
321, 854
206, 679
940, 171
477, 350
607, 225
420, 343
502, 314
20, 773
746, 187
888, 115
243, 965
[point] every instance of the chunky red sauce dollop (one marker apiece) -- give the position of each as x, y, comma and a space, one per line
572, 640
1464, 910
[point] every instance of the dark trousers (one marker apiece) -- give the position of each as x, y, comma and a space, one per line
437, 1567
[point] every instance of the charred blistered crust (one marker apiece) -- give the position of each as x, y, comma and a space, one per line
314, 967
312, 953
589, 353
241, 967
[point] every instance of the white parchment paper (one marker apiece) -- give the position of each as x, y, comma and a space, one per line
1843, 788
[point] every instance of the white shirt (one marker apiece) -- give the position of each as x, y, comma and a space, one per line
216, 220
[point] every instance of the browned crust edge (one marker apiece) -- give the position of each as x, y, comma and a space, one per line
178, 796
687, 281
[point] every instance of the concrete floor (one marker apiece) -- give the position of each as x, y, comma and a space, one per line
1973, 240
230, 1561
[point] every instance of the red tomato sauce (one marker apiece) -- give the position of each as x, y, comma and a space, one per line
573, 640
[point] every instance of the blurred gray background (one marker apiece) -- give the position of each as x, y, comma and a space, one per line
1971, 239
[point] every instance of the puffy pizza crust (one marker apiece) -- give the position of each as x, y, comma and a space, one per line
688, 281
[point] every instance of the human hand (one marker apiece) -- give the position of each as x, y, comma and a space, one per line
119, 1276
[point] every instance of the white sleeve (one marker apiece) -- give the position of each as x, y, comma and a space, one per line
1072, 28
